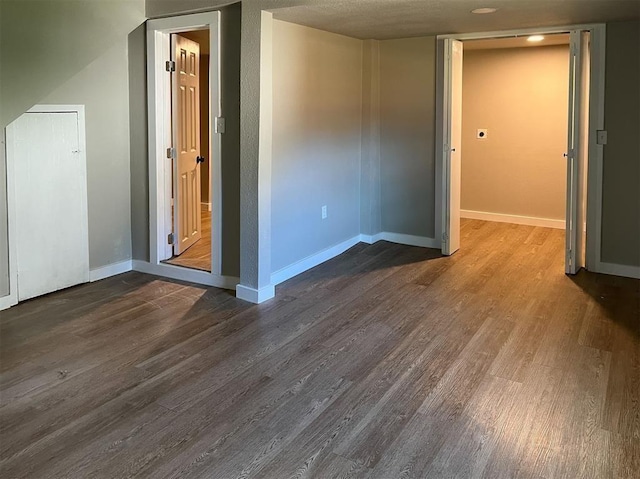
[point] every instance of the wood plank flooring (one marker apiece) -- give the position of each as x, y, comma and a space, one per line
388, 361
197, 256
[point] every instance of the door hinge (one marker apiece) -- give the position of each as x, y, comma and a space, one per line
220, 125
170, 65
171, 153
170, 238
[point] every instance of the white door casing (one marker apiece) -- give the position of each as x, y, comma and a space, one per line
159, 32
452, 154
577, 151
48, 221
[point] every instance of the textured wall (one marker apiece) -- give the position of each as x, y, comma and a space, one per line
317, 108
520, 95
407, 135
621, 188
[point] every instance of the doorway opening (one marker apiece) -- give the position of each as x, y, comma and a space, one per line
185, 155
191, 180
514, 133
510, 150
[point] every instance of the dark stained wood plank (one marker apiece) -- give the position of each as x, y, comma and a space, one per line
387, 361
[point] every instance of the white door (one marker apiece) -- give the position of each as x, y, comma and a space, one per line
577, 151
50, 226
452, 146
187, 217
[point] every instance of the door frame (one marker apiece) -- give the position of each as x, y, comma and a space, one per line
596, 123
12, 298
160, 139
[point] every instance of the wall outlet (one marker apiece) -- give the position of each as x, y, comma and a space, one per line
324, 212
482, 133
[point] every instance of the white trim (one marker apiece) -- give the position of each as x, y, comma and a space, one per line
596, 122
312, 261
12, 298
255, 296
515, 219
409, 240
158, 96
109, 270
370, 239
596, 152
206, 205
400, 238
186, 274
519, 32
619, 270
7, 301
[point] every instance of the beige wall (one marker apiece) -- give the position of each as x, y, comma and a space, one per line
317, 113
621, 189
521, 96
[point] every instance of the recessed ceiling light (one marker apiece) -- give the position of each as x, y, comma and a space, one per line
535, 38
484, 11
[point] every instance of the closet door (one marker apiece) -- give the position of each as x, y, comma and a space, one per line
50, 227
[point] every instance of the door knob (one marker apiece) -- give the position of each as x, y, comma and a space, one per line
199, 159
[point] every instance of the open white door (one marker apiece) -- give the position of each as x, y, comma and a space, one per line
187, 217
452, 130
577, 151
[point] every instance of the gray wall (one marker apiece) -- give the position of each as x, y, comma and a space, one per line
317, 114
230, 34
370, 208
139, 169
407, 135
45, 43
621, 188
230, 63
103, 88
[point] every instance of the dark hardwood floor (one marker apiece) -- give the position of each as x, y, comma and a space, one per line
388, 361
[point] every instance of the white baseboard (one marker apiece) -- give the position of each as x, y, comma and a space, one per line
110, 270
409, 240
255, 296
186, 274
619, 270
370, 239
515, 219
312, 261
7, 301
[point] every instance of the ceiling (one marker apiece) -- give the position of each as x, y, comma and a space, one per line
516, 42
385, 19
